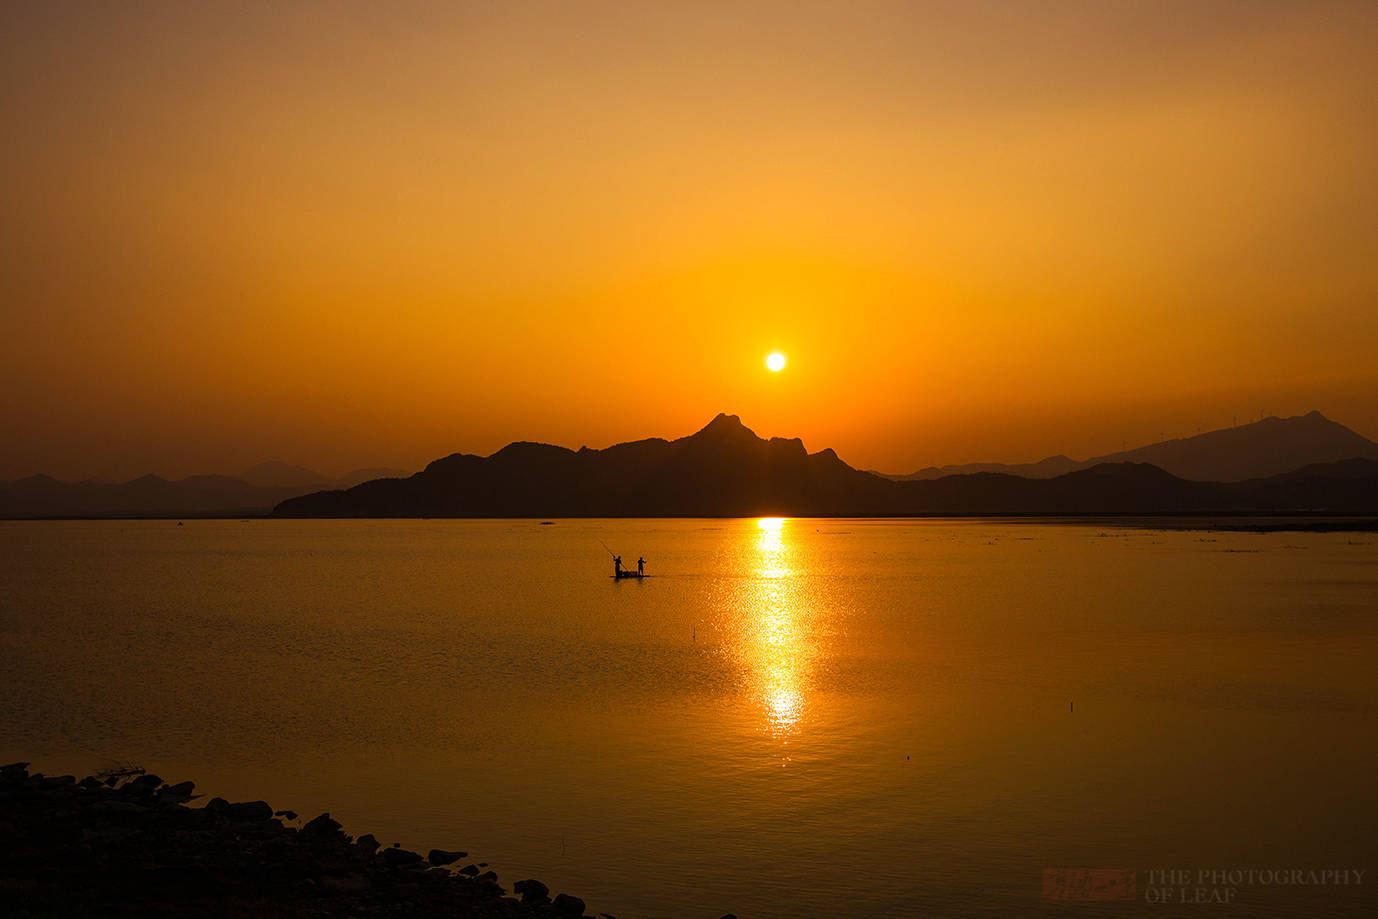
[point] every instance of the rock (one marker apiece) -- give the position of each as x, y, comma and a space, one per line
566, 905
444, 857
250, 811
368, 842
355, 883
148, 779
180, 790
15, 770
395, 857
106, 833
217, 806
21, 885
58, 781
532, 891
120, 808
729, 916
471, 870
90, 782
290, 815
322, 825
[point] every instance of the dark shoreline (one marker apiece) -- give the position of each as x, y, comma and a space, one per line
128, 844
1220, 521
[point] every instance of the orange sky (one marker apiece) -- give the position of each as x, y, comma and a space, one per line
347, 234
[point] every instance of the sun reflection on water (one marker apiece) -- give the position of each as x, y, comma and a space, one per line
777, 647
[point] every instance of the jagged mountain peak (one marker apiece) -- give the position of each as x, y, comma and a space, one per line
724, 425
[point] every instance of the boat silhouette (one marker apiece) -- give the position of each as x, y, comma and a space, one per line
618, 572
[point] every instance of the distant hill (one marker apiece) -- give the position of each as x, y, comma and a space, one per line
257, 492
358, 476
1263, 448
42, 496
723, 470
1300, 464
726, 470
272, 474
1043, 469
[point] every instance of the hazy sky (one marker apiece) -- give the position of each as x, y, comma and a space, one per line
345, 234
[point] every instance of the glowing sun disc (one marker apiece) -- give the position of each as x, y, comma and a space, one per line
776, 361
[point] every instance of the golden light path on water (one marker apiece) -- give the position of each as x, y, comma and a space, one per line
777, 648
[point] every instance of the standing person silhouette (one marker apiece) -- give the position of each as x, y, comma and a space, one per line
617, 566
641, 567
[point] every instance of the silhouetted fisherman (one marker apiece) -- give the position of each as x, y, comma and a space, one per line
617, 566
641, 567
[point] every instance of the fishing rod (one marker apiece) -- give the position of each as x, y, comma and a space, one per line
605, 546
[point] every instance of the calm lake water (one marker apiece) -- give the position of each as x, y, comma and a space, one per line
822, 718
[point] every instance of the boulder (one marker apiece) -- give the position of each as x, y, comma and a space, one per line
180, 790
289, 815
531, 891
250, 811
217, 806
117, 808
395, 857
471, 870
444, 856
356, 883
368, 843
322, 825
148, 779
566, 905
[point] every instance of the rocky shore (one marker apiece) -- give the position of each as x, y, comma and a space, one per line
130, 844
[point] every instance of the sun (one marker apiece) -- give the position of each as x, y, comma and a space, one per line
775, 361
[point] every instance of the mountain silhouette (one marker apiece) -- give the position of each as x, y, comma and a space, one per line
1043, 469
722, 470
1263, 448
1305, 464
727, 470
274, 474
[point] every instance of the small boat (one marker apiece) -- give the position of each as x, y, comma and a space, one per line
618, 572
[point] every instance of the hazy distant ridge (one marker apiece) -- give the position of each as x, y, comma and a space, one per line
1263, 448
257, 491
726, 470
